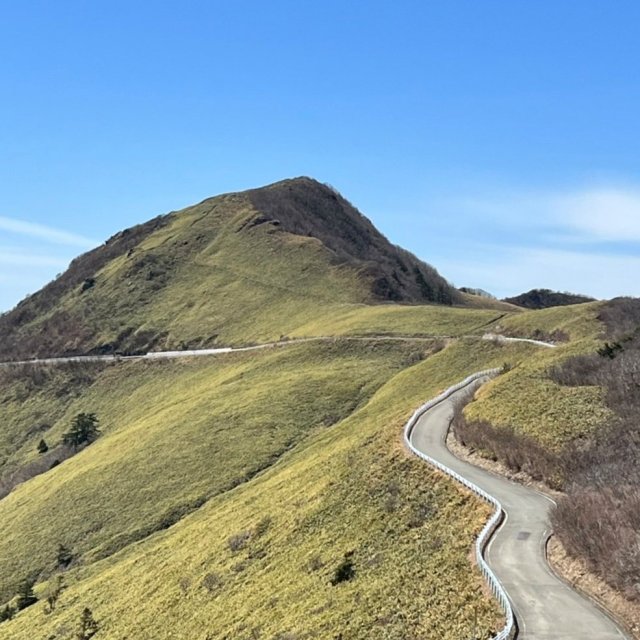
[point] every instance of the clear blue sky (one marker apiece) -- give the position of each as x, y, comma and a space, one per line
498, 140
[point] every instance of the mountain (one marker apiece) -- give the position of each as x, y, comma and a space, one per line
238, 267
267, 493
545, 298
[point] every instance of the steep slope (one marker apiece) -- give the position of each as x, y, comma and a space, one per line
306, 208
152, 515
235, 268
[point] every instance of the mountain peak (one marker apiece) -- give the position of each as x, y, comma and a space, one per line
239, 267
306, 207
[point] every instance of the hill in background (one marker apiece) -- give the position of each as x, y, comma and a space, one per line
545, 298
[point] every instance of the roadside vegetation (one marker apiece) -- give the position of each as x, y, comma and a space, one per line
599, 519
585, 442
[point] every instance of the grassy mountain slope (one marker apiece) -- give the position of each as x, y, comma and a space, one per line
132, 480
239, 267
526, 399
334, 489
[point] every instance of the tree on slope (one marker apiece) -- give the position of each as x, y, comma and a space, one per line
84, 430
26, 597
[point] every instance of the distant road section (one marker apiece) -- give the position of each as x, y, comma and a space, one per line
545, 607
189, 353
156, 355
503, 339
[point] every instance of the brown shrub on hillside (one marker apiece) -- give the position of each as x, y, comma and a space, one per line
9, 481
519, 453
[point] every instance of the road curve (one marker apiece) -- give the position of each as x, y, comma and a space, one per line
545, 607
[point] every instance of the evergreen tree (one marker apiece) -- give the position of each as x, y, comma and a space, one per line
43, 447
84, 430
26, 597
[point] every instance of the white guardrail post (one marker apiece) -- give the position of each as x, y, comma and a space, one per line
509, 629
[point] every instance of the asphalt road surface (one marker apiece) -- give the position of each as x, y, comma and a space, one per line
545, 607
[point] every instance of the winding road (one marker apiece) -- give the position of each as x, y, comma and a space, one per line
545, 607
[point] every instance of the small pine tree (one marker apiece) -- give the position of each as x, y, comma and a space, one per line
84, 430
26, 597
88, 626
43, 447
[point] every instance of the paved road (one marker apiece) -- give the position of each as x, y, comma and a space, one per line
190, 353
545, 607
504, 339
165, 355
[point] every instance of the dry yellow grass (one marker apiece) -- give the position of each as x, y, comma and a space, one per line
343, 488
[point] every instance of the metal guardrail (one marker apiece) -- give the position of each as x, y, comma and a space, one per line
509, 629
500, 339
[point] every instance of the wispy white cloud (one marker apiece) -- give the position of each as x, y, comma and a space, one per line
43, 232
610, 214
19, 258
595, 214
585, 240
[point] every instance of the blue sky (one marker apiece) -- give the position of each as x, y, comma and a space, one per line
497, 140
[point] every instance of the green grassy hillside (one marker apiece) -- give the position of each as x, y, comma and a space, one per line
310, 437
526, 399
160, 419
